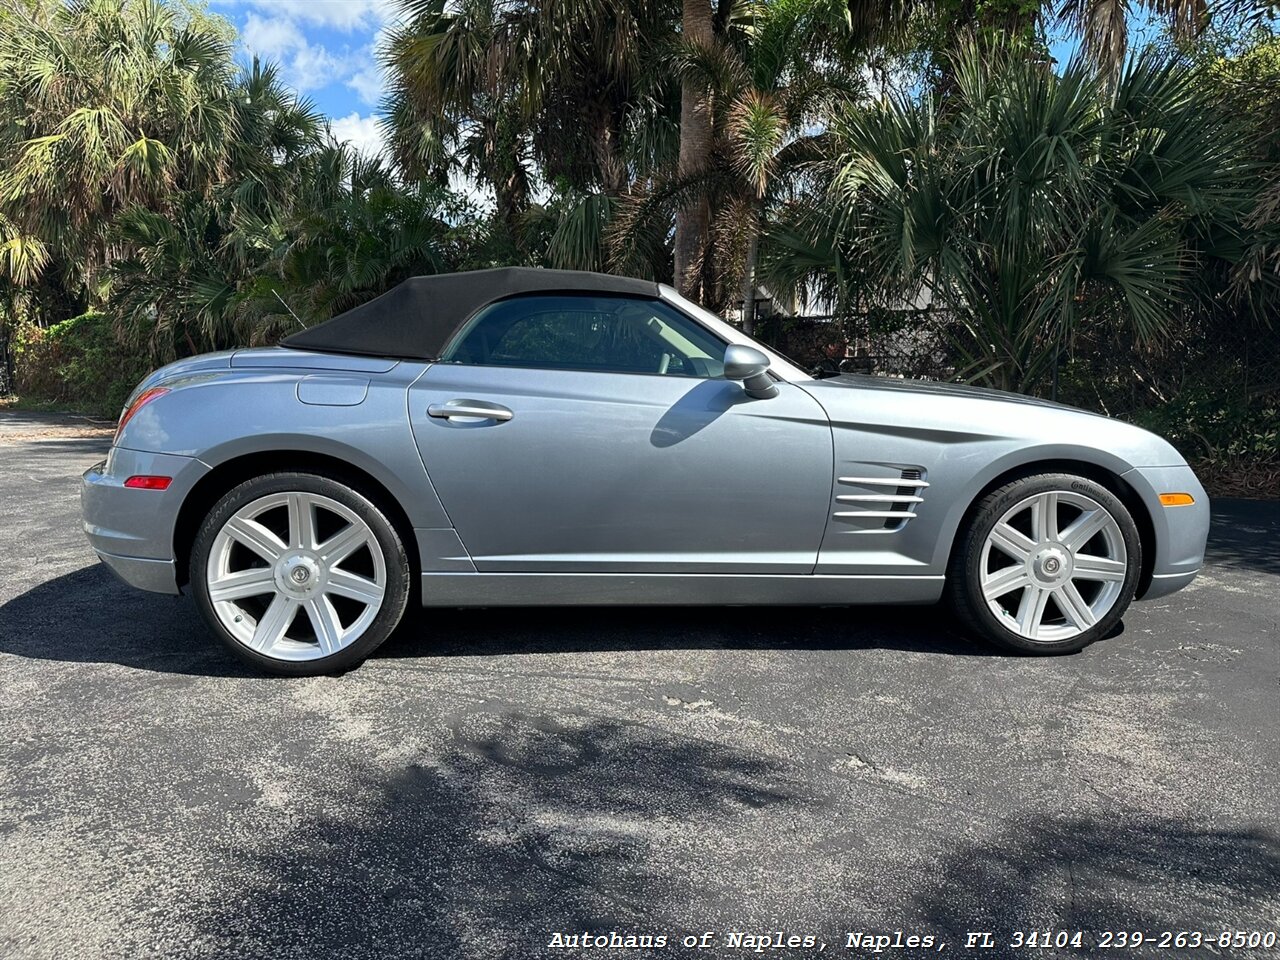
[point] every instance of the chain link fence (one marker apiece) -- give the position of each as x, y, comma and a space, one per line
912, 346
1212, 387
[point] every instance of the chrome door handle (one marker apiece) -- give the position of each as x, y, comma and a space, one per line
476, 409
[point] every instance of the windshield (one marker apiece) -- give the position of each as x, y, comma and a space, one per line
779, 364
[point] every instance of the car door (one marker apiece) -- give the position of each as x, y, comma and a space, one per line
597, 434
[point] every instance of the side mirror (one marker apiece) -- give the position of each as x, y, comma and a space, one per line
751, 367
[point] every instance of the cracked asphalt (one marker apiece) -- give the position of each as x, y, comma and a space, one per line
491, 778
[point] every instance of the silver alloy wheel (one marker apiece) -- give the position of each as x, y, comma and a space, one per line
267, 564
1053, 566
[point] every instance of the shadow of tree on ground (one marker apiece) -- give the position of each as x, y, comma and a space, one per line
525, 825
88, 616
530, 824
1143, 873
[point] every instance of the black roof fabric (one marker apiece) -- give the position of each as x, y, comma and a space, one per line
416, 319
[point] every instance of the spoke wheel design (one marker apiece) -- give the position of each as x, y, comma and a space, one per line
296, 576
1053, 566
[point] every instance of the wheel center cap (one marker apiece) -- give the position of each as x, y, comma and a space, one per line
1051, 564
298, 575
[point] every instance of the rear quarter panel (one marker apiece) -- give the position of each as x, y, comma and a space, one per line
219, 417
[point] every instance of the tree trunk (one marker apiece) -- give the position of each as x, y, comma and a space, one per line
605, 140
749, 279
506, 172
693, 219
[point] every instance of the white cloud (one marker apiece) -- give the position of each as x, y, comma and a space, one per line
368, 81
271, 39
282, 31
363, 133
306, 66
344, 15
313, 67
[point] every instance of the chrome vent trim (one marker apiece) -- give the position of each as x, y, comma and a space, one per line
896, 514
903, 481
878, 498
892, 507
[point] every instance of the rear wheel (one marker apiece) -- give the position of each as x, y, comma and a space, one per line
1048, 564
299, 574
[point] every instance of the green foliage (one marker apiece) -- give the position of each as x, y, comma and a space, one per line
1209, 425
143, 171
493, 88
1246, 76
121, 110
863, 157
1033, 203
585, 96
344, 231
108, 105
78, 363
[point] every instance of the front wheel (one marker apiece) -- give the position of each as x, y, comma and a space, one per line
299, 574
1048, 564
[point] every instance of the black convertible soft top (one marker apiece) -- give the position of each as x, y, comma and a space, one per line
416, 319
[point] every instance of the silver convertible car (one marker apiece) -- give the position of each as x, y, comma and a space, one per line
537, 437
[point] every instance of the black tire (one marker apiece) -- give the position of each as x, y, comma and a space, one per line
964, 591
398, 569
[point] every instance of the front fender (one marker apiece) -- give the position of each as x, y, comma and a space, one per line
961, 442
1049, 457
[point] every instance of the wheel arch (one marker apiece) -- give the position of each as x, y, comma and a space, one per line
226, 475
1109, 479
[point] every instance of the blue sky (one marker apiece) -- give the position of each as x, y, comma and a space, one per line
326, 51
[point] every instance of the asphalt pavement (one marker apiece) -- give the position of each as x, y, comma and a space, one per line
492, 779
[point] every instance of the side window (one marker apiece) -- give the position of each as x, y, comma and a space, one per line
602, 334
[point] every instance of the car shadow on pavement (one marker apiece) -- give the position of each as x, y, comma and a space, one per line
493, 631
1244, 534
88, 616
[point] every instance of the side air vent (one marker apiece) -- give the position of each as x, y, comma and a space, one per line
891, 500
910, 479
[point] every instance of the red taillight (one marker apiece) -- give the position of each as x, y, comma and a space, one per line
145, 397
149, 483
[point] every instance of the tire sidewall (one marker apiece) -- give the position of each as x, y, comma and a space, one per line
968, 570
393, 551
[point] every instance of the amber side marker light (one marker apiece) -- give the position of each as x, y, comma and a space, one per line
148, 482
1177, 499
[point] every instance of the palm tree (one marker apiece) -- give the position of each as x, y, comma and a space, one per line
795, 68
452, 99
1103, 25
771, 74
211, 271
640, 115
1036, 203
693, 215
1248, 80
499, 88
116, 104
